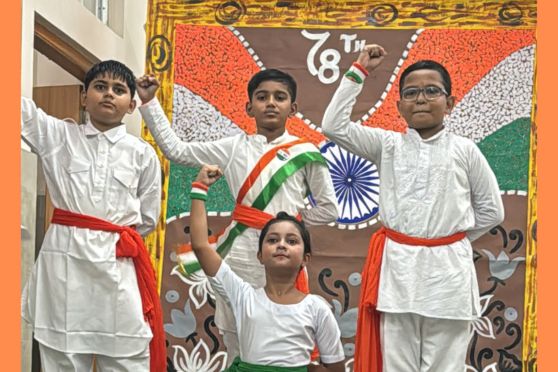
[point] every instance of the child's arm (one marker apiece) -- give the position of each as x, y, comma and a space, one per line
328, 339
149, 191
336, 124
209, 260
319, 182
42, 132
485, 195
193, 154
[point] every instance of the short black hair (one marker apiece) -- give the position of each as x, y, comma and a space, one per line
274, 75
284, 216
427, 65
113, 69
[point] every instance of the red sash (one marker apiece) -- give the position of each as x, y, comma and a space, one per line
368, 351
131, 245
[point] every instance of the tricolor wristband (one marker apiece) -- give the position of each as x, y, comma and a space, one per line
360, 67
199, 191
357, 73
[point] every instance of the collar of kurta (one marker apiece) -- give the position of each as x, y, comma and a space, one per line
113, 135
412, 132
281, 139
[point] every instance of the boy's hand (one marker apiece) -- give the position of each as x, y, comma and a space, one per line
371, 56
146, 87
209, 174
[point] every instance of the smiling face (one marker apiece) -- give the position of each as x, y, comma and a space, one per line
271, 105
426, 116
107, 99
283, 247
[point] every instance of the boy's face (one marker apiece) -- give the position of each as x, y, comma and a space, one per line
107, 100
271, 105
423, 113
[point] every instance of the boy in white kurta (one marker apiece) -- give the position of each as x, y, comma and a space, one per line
81, 299
272, 96
277, 325
434, 184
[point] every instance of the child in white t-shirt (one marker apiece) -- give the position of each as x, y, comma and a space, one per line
278, 325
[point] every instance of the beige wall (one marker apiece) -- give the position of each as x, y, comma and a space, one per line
46, 73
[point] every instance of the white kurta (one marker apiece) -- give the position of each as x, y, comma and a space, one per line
429, 188
236, 156
80, 298
275, 334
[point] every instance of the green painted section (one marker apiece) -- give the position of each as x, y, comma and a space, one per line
507, 152
219, 198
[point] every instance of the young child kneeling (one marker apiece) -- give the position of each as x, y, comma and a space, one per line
278, 325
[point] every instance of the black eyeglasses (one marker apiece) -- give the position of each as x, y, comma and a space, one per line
431, 92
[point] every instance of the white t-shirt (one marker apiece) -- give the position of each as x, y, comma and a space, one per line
275, 334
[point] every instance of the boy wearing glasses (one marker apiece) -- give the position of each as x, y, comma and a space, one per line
437, 195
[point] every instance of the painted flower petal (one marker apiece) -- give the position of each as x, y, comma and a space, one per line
180, 358
348, 323
218, 362
484, 301
490, 368
183, 322
483, 326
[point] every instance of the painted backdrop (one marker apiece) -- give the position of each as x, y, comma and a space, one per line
204, 52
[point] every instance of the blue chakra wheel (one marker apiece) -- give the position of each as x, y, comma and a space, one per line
357, 185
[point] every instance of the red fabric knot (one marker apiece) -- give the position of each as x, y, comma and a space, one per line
126, 246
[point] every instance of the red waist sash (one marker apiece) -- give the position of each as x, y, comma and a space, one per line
131, 245
368, 351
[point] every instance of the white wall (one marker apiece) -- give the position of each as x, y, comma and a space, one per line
47, 73
74, 20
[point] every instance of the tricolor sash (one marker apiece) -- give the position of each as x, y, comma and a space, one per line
257, 191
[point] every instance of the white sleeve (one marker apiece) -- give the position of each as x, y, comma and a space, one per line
320, 184
42, 132
149, 191
361, 140
485, 195
192, 154
230, 286
328, 335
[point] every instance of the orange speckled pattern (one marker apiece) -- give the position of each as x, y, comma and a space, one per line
214, 64
468, 55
